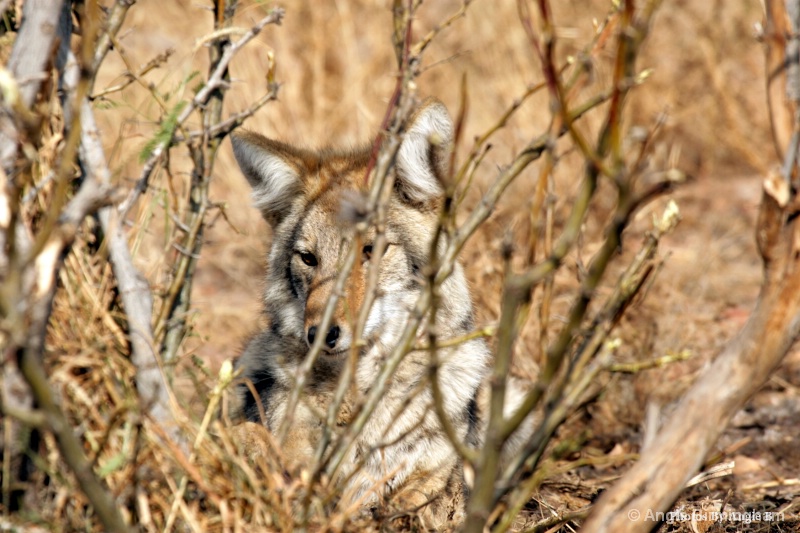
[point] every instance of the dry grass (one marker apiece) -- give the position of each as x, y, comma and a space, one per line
336, 65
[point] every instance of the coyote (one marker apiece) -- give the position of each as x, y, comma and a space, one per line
402, 453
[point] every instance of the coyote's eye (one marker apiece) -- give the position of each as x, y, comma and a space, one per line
367, 251
308, 258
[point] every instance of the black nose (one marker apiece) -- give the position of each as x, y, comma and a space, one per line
333, 334
330, 338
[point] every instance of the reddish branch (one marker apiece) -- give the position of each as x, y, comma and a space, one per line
746, 362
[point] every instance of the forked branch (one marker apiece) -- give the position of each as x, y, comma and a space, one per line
748, 359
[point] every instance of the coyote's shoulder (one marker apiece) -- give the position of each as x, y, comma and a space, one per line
310, 199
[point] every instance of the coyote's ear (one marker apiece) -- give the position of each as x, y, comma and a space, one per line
423, 158
272, 169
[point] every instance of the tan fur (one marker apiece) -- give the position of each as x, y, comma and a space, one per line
402, 457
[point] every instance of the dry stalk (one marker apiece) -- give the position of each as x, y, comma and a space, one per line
442, 233
134, 289
423, 43
518, 286
172, 320
590, 358
681, 446
626, 207
111, 27
132, 77
225, 378
385, 149
658, 362
378, 176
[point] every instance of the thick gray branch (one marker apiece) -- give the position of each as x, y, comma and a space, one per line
29, 57
33, 46
133, 287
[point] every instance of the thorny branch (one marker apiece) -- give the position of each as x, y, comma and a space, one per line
46, 255
565, 386
443, 267
215, 81
749, 358
31, 262
175, 308
378, 175
518, 286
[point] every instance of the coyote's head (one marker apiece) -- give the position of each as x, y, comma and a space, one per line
302, 195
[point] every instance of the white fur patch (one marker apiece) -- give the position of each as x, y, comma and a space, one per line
431, 126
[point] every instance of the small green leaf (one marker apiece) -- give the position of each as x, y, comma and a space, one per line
164, 134
112, 465
106, 104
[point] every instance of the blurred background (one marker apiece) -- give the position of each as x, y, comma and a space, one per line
336, 65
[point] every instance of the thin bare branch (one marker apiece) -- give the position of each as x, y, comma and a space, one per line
214, 82
748, 359
112, 25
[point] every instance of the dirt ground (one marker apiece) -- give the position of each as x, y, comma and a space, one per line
335, 62
689, 309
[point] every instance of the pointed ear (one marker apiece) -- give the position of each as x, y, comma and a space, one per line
272, 168
423, 158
